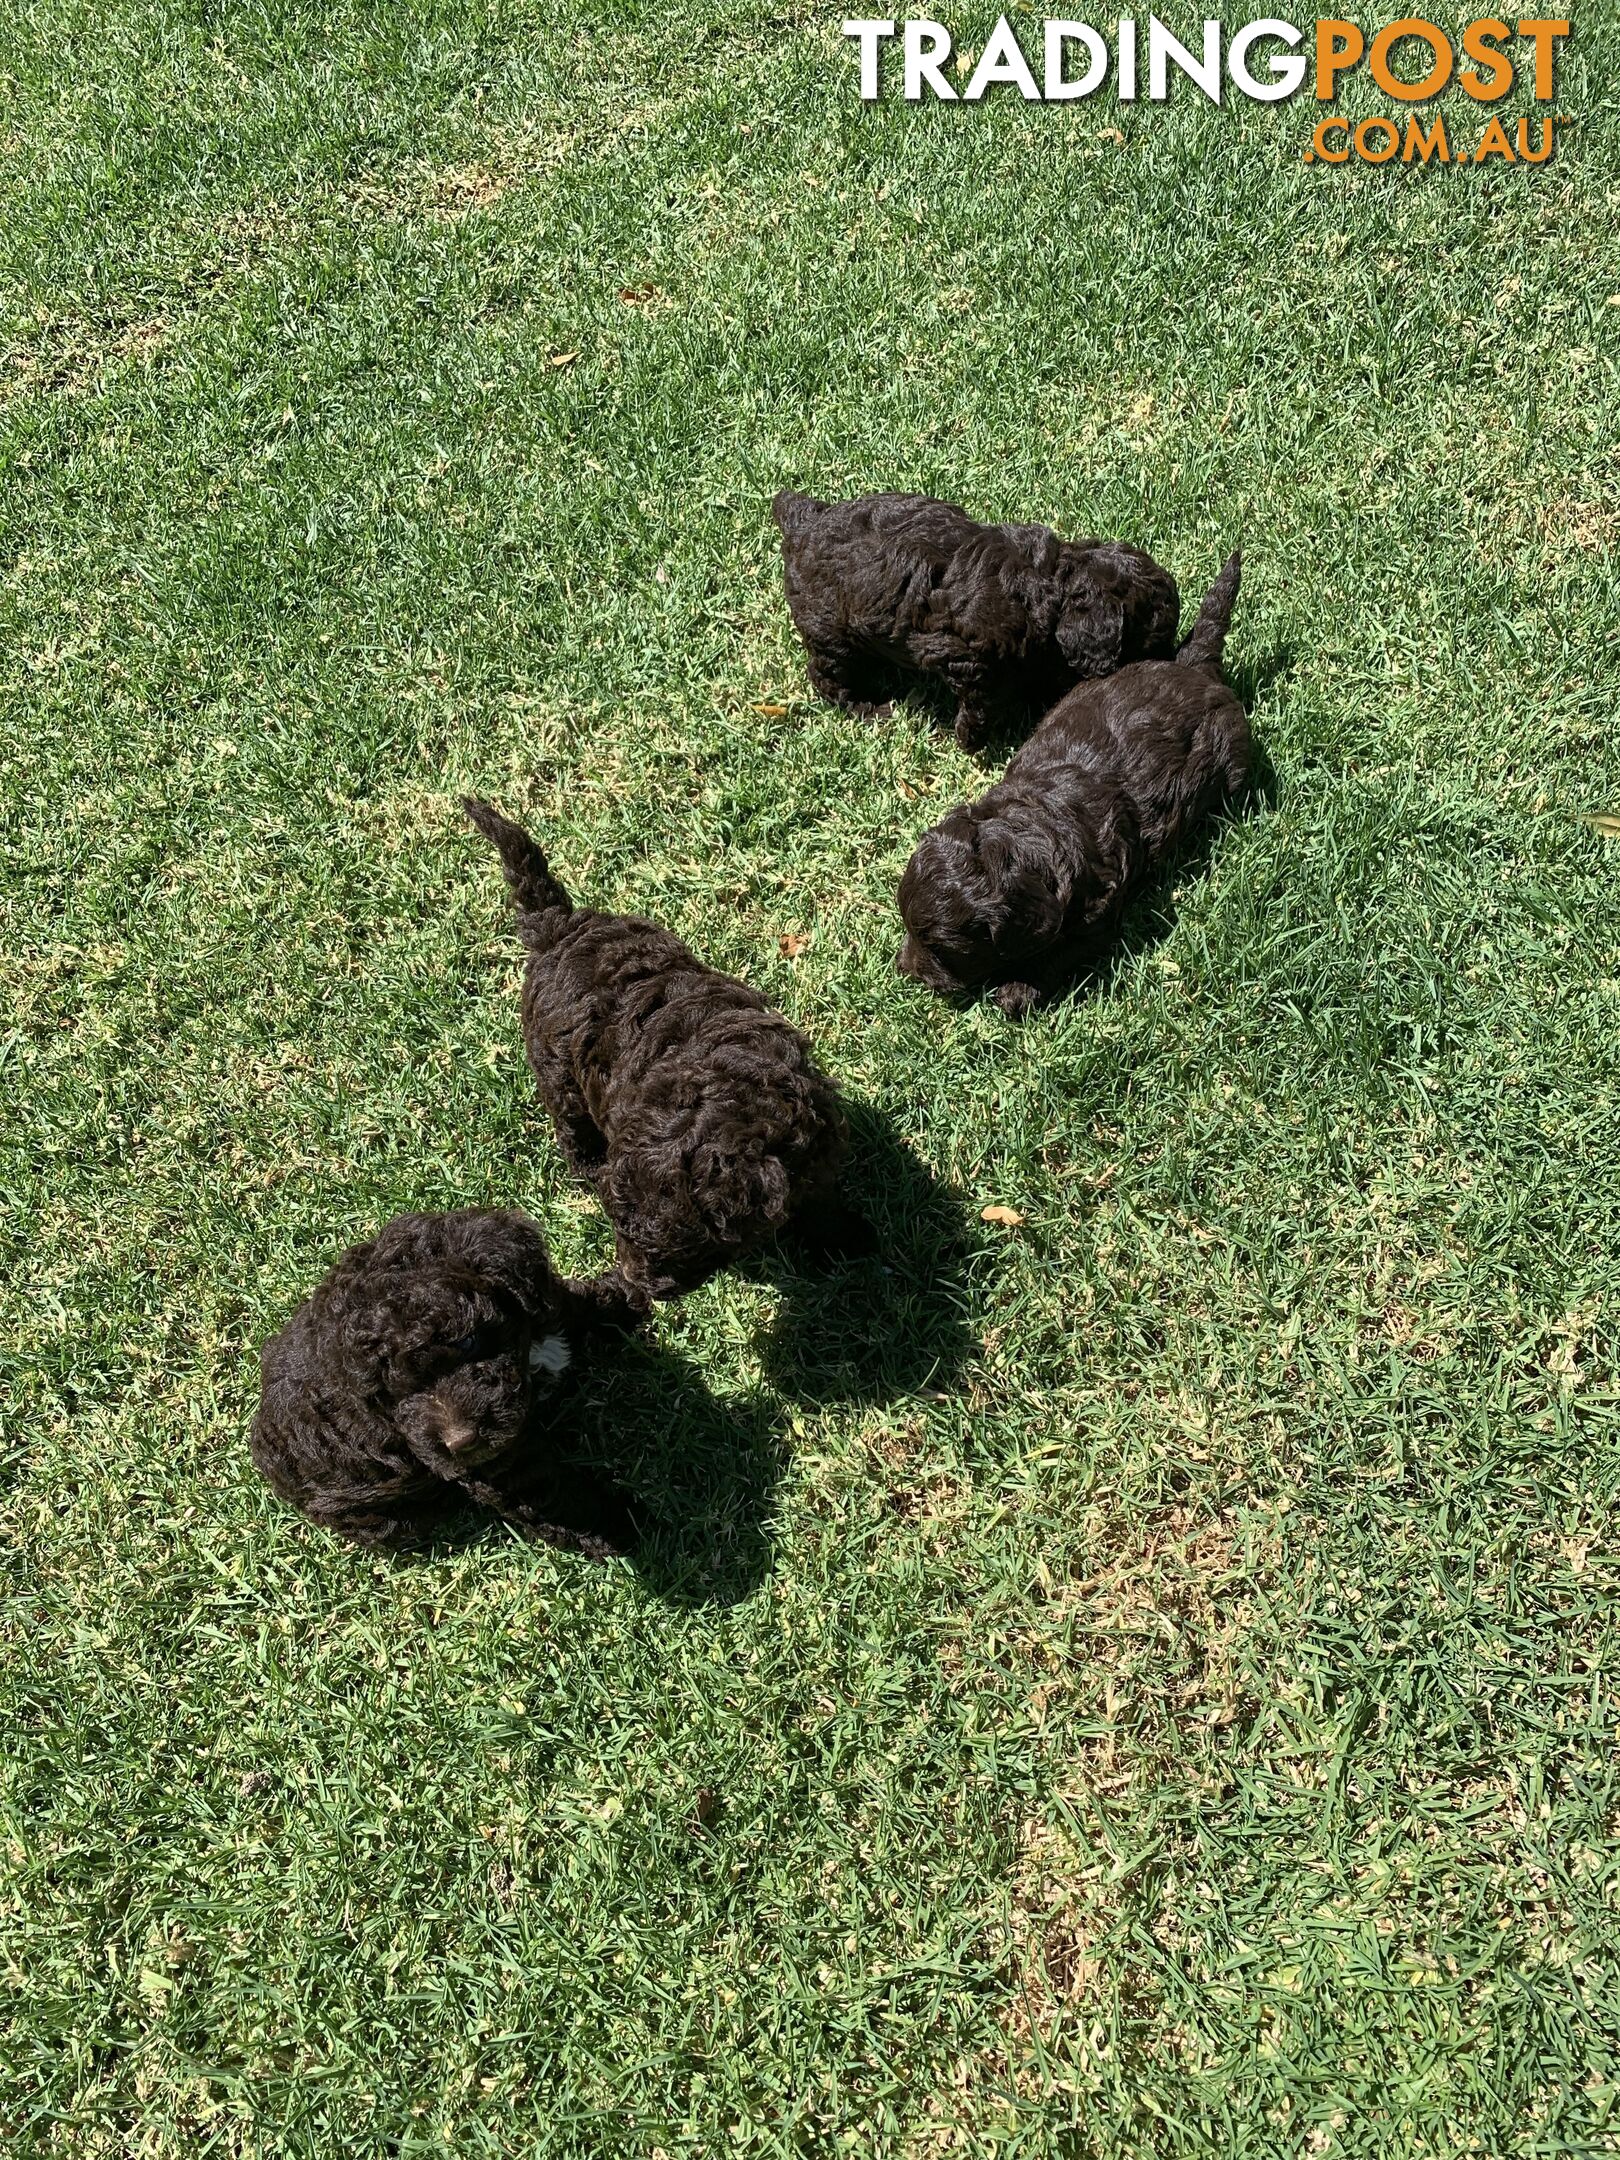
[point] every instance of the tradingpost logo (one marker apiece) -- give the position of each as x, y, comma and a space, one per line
1409, 61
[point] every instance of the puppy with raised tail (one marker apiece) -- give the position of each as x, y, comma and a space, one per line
1009, 617
1015, 893
698, 1112
424, 1373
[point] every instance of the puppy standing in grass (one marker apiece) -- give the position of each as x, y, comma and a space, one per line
1016, 892
423, 1373
1009, 616
698, 1113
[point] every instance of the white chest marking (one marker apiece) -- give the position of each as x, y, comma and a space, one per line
554, 1355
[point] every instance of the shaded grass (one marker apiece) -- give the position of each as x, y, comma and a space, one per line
1137, 1683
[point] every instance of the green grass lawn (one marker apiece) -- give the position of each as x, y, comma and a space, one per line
1143, 1681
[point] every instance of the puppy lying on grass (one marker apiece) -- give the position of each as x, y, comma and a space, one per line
1016, 892
1009, 616
423, 1373
698, 1113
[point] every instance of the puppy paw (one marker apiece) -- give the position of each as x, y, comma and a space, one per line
971, 729
612, 1301
1017, 999
587, 1543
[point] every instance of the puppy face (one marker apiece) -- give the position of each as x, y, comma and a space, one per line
460, 1361
681, 1215
983, 903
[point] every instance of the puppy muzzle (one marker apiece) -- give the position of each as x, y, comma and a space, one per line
919, 963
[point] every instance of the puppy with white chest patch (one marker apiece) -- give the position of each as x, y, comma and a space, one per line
1014, 893
424, 1372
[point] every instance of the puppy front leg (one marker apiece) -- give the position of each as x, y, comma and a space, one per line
608, 1302
973, 724
837, 677
1018, 998
977, 709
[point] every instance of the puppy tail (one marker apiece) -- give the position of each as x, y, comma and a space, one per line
1208, 640
794, 512
534, 890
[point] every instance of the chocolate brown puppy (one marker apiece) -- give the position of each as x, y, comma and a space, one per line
1016, 892
697, 1112
425, 1372
1009, 616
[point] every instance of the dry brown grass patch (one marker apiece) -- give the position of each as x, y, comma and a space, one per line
72, 355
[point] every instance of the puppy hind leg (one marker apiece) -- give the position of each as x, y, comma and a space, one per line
578, 1135
584, 1149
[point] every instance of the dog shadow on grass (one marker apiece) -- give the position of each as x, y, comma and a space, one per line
700, 1471
877, 1325
1251, 679
888, 1322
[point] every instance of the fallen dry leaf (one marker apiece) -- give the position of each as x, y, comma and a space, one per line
562, 359
792, 942
1010, 1217
637, 295
1606, 822
706, 1809
1112, 135
771, 712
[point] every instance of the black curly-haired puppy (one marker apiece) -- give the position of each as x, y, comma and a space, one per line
422, 1373
698, 1113
1017, 891
1009, 616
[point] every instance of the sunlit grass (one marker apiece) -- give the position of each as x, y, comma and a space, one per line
1137, 1681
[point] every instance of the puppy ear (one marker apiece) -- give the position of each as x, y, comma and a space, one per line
1028, 887
1090, 632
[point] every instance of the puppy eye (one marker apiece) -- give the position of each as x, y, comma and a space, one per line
478, 1344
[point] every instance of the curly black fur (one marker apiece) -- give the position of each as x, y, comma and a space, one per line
698, 1113
1008, 616
422, 1374
1019, 890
